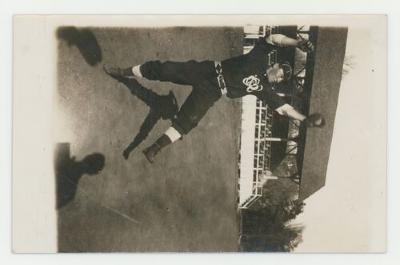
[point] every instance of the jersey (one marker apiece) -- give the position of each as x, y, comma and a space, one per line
246, 75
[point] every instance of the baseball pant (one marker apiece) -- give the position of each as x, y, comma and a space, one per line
200, 75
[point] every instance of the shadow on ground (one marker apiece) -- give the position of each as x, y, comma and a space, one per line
84, 40
161, 107
69, 172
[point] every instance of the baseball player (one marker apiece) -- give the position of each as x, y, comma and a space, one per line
247, 74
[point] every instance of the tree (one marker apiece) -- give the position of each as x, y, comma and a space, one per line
267, 225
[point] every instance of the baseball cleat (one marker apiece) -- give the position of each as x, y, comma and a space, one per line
151, 152
126, 154
113, 71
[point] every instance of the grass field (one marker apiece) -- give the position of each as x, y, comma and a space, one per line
186, 201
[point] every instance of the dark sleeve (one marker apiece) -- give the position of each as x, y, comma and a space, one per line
272, 99
261, 47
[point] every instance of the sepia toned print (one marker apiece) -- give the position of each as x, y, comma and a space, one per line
193, 138
268, 64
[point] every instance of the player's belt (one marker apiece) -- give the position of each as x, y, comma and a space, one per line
220, 78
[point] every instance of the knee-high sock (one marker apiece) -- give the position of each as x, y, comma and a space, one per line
162, 142
136, 71
173, 134
132, 71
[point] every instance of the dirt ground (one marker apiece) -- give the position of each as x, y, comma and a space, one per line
187, 200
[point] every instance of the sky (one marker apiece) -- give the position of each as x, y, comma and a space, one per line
349, 213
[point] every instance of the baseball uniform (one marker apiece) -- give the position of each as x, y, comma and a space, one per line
242, 75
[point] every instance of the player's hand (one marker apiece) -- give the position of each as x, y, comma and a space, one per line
305, 45
315, 120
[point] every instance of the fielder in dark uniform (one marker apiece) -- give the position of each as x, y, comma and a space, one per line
236, 77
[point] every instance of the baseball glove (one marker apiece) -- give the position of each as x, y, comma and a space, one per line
305, 45
315, 120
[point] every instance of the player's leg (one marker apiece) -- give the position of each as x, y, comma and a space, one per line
191, 112
183, 73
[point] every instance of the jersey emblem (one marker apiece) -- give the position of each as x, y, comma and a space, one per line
253, 83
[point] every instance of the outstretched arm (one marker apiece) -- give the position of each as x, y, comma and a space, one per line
313, 120
294, 114
281, 40
285, 41
288, 110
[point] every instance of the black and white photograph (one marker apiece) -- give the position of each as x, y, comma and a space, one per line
199, 133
